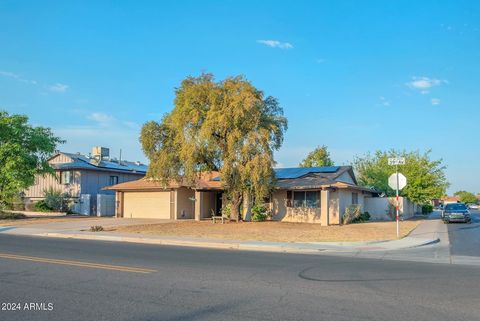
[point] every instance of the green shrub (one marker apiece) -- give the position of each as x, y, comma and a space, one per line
353, 214
41, 206
96, 228
15, 202
363, 217
56, 200
227, 210
11, 216
259, 213
427, 209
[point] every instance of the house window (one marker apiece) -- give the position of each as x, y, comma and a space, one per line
66, 177
299, 199
113, 180
312, 199
354, 198
309, 199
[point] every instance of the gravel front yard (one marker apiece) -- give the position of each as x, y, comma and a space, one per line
274, 231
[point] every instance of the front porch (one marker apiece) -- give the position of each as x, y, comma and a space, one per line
208, 203
306, 206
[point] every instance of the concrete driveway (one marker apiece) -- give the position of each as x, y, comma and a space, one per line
74, 224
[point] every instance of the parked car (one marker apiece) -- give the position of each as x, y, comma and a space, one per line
473, 206
456, 212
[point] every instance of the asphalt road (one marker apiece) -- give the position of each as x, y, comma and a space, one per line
465, 238
149, 282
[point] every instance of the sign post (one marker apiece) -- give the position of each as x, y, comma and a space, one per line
397, 182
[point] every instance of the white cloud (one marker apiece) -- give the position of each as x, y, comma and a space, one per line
58, 88
82, 138
276, 44
384, 101
435, 101
103, 129
17, 77
131, 124
101, 118
424, 84
279, 165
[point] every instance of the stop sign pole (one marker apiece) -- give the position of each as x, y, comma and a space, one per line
397, 216
396, 185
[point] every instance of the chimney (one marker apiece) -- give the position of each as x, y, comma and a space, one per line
100, 153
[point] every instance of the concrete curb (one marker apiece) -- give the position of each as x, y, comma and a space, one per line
304, 248
186, 243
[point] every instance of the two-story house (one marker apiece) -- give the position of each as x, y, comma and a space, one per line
82, 177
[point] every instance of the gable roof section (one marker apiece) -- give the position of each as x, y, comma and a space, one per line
82, 162
306, 178
204, 182
314, 178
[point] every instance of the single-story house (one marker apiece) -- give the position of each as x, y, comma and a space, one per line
314, 195
450, 199
80, 175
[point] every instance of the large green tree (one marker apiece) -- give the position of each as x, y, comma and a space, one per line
466, 197
227, 126
425, 177
24, 151
318, 157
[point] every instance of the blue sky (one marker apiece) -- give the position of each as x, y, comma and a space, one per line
356, 76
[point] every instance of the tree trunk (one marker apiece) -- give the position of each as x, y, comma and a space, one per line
236, 202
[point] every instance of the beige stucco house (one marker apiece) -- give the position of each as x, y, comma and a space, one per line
312, 195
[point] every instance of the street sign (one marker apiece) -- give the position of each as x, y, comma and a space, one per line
397, 181
392, 181
396, 161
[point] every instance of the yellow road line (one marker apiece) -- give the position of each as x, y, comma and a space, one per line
77, 263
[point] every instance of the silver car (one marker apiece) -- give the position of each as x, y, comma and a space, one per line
456, 212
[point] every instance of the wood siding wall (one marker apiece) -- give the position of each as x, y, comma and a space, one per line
92, 182
84, 182
43, 183
60, 159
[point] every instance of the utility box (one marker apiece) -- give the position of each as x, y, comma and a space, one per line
99, 152
105, 205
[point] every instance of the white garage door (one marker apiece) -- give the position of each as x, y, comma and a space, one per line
146, 205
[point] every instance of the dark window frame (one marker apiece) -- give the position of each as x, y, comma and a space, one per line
63, 177
306, 202
354, 198
113, 180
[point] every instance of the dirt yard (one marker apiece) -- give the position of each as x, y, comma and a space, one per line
275, 231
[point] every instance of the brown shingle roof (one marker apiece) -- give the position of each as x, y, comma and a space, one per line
205, 181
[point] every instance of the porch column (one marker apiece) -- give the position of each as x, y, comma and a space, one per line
198, 205
324, 207
118, 204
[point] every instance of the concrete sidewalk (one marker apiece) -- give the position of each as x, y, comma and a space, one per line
317, 247
79, 230
429, 242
